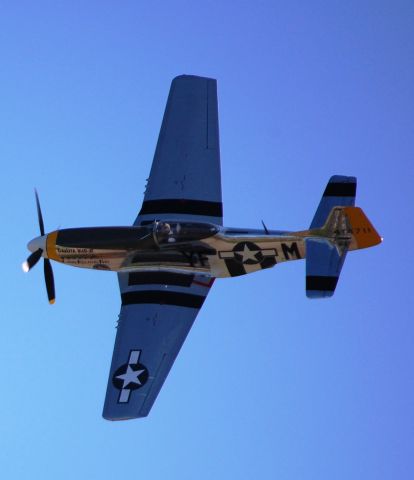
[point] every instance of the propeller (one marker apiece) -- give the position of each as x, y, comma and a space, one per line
35, 257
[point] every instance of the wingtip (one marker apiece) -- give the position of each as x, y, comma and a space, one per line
121, 419
192, 77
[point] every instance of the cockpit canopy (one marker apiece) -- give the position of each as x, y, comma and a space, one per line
182, 232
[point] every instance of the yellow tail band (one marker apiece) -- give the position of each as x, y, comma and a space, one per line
363, 231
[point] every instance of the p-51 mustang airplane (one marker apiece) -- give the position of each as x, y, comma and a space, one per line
168, 260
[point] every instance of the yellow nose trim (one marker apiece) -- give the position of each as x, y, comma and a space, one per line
51, 247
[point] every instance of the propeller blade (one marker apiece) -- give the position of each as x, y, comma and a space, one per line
50, 282
32, 260
39, 215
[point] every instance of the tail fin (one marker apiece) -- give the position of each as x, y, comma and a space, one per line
363, 233
346, 228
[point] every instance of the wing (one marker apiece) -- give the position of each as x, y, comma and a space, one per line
159, 308
185, 178
157, 312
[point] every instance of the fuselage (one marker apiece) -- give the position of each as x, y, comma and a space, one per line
180, 246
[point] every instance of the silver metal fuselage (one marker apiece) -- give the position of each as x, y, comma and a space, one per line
176, 246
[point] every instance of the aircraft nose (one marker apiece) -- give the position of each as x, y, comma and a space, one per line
36, 243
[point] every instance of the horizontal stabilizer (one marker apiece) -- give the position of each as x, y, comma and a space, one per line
340, 191
323, 267
346, 228
325, 256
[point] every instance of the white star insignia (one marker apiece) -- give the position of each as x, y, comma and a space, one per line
130, 376
248, 254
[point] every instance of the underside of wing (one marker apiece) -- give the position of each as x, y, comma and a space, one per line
157, 312
185, 178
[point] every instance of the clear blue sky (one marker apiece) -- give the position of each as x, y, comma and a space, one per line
269, 384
